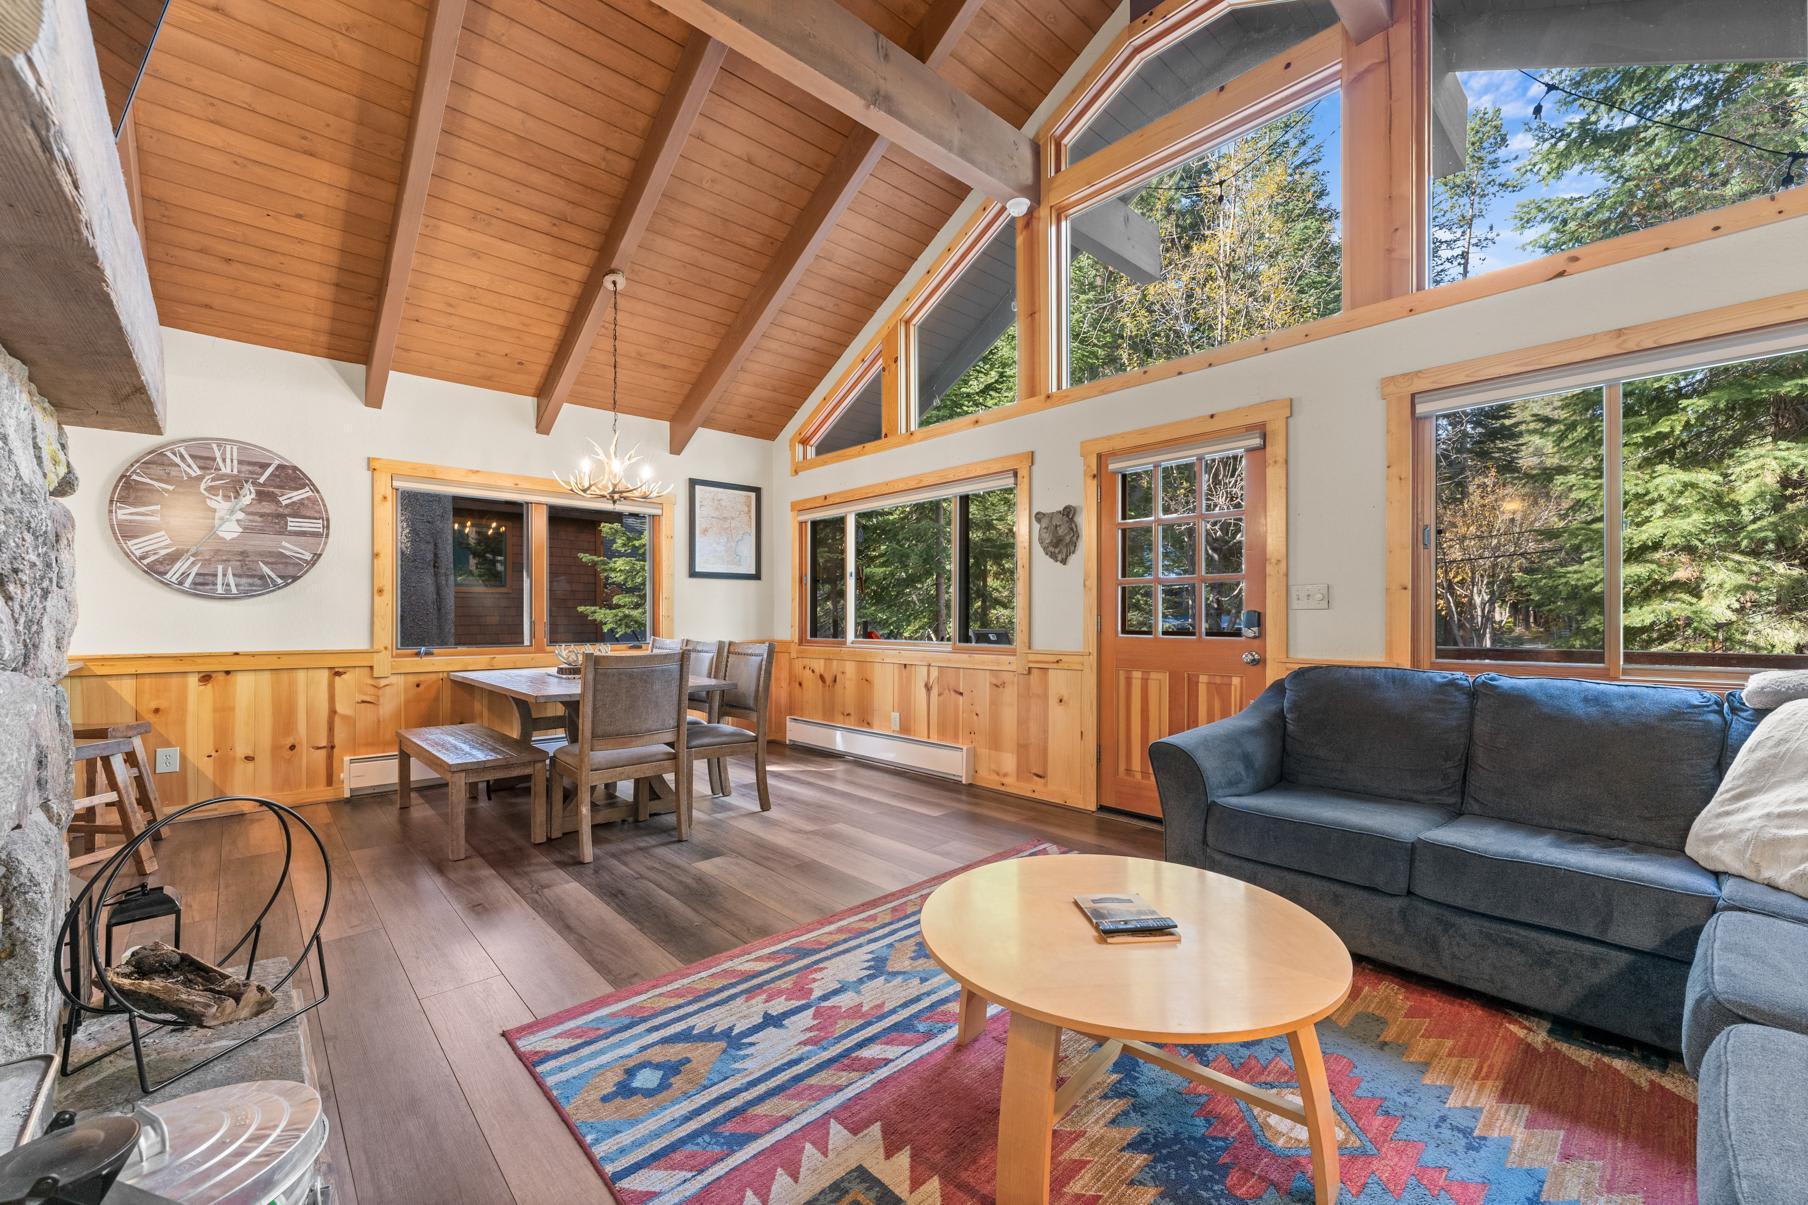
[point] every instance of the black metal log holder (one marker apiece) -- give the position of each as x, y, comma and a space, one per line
81, 923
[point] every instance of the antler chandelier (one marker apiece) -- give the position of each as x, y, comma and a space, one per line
610, 476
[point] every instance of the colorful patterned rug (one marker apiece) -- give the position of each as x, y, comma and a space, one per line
819, 1066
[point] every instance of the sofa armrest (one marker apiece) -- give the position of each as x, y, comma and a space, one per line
1233, 756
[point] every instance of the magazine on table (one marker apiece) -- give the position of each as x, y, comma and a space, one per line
1125, 918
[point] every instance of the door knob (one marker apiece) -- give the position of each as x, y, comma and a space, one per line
1252, 658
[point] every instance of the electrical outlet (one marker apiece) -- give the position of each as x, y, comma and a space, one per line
169, 761
1312, 598
894, 721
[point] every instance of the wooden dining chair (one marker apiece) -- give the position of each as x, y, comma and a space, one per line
631, 725
748, 665
706, 660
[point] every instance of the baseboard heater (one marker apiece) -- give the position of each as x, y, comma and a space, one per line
939, 758
373, 773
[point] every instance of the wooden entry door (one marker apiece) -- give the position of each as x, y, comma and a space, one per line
1182, 556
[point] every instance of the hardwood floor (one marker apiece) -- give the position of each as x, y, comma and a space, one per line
429, 960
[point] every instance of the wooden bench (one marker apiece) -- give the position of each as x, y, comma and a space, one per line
465, 755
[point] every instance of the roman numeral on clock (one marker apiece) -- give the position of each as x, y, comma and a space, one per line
294, 496
183, 572
223, 582
148, 548
274, 578
164, 486
148, 514
300, 554
225, 458
306, 524
183, 461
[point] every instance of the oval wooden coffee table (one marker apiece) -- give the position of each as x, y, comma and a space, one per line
1249, 965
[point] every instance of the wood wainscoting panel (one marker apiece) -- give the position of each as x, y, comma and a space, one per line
1027, 718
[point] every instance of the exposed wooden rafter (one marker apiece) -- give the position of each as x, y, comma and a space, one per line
684, 99
941, 28
845, 63
433, 82
1364, 18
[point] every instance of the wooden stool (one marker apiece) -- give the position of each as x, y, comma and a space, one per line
135, 759
109, 757
464, 755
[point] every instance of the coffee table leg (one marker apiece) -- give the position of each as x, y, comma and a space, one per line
1026, 1111
1321, 1118
972, 1016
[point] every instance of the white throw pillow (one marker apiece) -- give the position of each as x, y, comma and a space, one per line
1756, 826
1775, 687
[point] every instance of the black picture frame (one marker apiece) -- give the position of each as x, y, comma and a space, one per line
759, 538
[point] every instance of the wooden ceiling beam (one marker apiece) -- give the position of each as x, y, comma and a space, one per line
836, 57
942, 26
1364, 18
691, 81
76, 306
433, 82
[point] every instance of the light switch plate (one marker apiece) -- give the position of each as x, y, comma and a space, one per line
169, 761
1312, 598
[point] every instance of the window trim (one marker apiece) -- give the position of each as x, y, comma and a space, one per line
871, 361
936, 285
389, 476
945, 483
1609, 356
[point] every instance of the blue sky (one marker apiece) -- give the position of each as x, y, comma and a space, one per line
1516, 95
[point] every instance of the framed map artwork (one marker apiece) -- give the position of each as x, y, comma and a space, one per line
725, 530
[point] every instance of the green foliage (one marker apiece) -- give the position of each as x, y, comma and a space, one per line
1460, 231
1249, 245
991, 562
622, 566
902, 571
991, 382
1641, 173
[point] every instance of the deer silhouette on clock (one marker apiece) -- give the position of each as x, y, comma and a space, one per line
218, 518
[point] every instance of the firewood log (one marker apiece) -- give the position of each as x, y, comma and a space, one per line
168, 982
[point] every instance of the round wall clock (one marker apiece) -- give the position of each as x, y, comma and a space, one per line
218, 518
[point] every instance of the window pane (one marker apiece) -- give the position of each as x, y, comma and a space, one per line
1716, 511
989, 567
1177, 610
1138, 494
861, 421
1223, 546
1239, 241
461, 571
1223, 608
1519, 553
1223, 483
597, 570
1212, 55
1136, 610
1177, 550
902, 573
966, 344
1180, 487
1520, 171
1138, 552
828, 577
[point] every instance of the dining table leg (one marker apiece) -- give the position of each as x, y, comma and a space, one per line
1026, 1111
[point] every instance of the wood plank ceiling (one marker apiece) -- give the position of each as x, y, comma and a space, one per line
272, 136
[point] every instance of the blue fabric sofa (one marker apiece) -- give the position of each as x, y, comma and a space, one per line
1519, 836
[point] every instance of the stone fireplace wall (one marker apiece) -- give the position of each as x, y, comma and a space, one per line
37, 615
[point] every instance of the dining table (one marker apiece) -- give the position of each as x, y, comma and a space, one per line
534, 685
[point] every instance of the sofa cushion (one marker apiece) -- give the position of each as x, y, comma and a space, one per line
1743, 895
1748, 1130
1360, 839
1629, 763
1742, 719
1747, 968
1395, 733
1637, 896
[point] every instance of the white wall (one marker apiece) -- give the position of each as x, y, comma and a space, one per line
311, 410
1337, 452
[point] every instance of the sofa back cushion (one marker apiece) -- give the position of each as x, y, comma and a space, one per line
1397, 733
1742, 720
1629, 763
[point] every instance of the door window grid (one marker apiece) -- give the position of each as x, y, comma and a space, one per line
1180, 565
